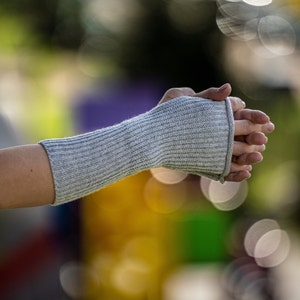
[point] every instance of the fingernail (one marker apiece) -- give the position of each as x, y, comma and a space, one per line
270, 126
266, 140
223, 87
260, 158
249, 168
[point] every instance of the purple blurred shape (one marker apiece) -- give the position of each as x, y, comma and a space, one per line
115, 102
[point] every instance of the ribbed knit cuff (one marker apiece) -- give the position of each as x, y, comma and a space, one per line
189, 134
199, 140
85, 163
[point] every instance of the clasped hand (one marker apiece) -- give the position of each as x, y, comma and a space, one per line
250, 127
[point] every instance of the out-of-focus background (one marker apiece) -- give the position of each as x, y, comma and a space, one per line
70, 66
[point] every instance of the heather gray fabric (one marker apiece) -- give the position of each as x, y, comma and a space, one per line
190, 134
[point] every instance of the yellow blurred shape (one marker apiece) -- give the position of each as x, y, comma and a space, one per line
164, 199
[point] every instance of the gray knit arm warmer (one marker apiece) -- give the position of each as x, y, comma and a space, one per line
190, 134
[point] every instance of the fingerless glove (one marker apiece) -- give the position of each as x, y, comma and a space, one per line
189, 134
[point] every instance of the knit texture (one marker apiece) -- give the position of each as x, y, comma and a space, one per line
189, 134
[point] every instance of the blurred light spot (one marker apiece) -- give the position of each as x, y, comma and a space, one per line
272, 249
238, 11
232, 20
267, 243
103, 264
244, 279
271, 33
226, 196
164, 199
258, 2
194, 282
143, 249
256, 231
135, 270
113, 14
131, 277
168, 176
250, 29
255, 289
205, 184
73, 276
277, 35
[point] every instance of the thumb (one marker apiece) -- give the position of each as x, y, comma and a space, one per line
217, 94
176, 92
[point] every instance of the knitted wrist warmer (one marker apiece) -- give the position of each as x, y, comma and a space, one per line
190, 134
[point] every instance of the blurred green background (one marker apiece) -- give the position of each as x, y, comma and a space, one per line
62, 62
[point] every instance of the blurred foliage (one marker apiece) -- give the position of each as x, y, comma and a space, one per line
188, 53
52, 21
173, 41
274, 187
178, 55
31, 75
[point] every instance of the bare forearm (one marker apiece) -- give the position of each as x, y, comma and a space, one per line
25, 177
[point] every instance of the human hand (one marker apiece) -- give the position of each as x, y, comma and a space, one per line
250, 129
249, 140
216, 94
249, 135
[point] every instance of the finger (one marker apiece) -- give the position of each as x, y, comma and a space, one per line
236, 104
247, 158
256, 138
234, 167
255, 116
240, 148
216, 94
176, 92
238, 176
245, 127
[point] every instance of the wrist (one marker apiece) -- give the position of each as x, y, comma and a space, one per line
189, 134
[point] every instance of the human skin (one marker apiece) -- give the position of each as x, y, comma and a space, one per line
249, 132
26, 178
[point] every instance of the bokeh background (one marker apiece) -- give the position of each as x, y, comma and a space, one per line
70, 66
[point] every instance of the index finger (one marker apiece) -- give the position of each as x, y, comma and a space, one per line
255, 116
236, 104
176, 92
